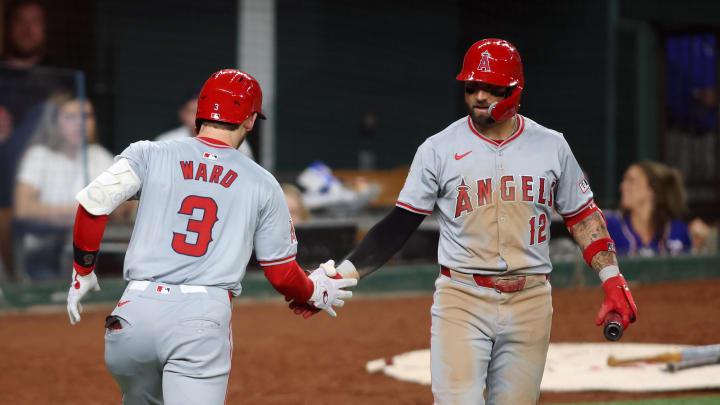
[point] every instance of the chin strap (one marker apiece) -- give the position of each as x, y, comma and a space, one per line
505, 109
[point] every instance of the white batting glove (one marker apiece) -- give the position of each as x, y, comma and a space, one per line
328, 291
79, 286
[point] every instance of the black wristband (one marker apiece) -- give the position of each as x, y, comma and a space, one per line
84, 258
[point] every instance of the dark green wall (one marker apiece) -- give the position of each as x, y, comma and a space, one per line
338, 59
150, 53
673, 12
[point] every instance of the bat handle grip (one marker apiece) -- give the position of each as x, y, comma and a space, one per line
612, 326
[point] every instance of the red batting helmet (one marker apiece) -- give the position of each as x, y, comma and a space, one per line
497, 62
229, 96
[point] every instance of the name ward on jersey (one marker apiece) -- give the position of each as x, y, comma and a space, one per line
188, 172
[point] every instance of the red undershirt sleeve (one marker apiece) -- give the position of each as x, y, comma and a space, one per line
290, 280
87, 234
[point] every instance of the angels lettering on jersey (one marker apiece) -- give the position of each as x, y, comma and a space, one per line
511, 188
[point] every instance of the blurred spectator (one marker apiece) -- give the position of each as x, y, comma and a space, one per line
298, 211
53, 170
25, 38
186, 115
652, 203
703, 236
24, 45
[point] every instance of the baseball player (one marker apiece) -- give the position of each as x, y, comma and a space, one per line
203, 207
492, 179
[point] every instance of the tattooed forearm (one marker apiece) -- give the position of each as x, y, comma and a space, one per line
588, 231
603, 259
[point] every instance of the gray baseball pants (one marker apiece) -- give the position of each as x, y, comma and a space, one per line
170, 344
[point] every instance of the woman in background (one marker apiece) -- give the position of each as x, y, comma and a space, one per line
51, 172
653, 201
54, 168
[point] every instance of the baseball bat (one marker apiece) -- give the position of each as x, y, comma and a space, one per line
701, 353
612, 326
675, 366
612, 361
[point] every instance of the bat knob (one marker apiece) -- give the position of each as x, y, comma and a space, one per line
612, 327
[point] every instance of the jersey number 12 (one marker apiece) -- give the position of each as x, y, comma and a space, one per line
541, 223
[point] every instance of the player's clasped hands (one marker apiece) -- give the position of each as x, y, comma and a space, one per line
329, 292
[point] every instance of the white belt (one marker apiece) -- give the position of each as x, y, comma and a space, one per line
186, 289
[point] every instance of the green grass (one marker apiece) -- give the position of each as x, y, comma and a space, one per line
710, 400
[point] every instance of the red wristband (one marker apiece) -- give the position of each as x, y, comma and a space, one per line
600, 245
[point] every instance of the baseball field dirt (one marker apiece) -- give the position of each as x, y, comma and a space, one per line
279, 358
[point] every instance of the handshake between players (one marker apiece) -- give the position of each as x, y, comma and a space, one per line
329, 290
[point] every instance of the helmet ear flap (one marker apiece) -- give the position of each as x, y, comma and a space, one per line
505, 109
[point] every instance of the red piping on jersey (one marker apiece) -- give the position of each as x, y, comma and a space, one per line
577, 211
87, 234
215, 143
513, 136
231, 348
290, 280
411, 208
276, 261
570, 222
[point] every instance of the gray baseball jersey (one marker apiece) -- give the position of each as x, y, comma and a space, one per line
203, 206
493, 200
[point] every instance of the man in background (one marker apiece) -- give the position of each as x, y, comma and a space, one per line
25, 43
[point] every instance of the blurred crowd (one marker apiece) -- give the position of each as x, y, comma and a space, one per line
49, 150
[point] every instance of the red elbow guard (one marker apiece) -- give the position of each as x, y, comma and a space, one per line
600, 245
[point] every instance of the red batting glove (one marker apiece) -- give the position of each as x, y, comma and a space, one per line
619, 299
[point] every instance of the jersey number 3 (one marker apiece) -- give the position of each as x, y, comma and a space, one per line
202, 227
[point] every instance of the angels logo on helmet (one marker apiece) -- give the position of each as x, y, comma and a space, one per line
484, 65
